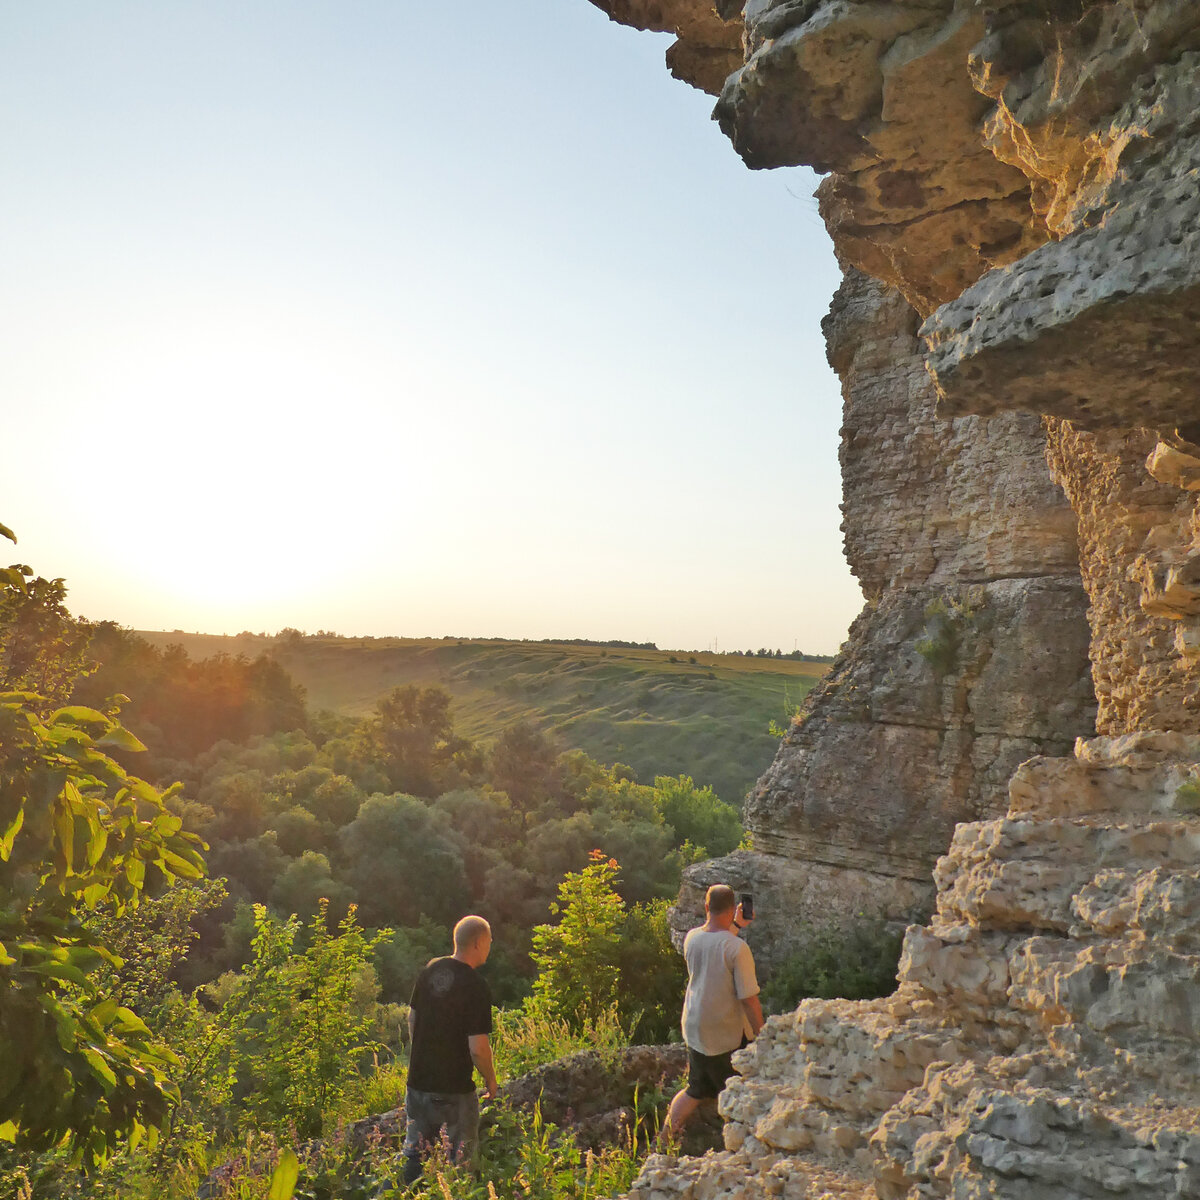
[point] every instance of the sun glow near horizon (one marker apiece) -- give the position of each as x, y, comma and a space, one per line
303, 358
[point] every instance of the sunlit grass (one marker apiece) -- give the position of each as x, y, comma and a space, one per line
706, 718
523, 1040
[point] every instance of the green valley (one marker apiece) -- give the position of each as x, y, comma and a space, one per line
658, 711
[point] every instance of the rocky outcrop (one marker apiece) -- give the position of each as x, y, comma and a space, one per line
1119, 290
1045, 1037
970, 657
1023, 171
708, 41
880, 95
1139, 550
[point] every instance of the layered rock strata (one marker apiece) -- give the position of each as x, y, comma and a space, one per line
970, 657
1135, 500
1024, 172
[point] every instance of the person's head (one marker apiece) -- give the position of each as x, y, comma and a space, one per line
472, 940
720, 904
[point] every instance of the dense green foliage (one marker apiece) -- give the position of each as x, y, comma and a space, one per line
602, 958
181, 707
301, 816
76, 833
703, 714
856, 963
578, 976
293, 1037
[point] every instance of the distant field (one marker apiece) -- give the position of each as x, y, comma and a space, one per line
704, 715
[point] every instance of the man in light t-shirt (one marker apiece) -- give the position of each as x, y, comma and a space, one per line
721, 1010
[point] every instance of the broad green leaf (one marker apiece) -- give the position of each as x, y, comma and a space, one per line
6, 959
96, 844
130, 1022
104, 1012
88, 958
64, 827
68, 1027
167, 824
58, 970
121, 738
12, 537
8, 1131
176, 865
135, 872
100, 1068
77, 714
284, 1177
10, 834
143, 790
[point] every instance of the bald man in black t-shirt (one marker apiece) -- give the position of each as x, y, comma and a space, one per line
450, 1023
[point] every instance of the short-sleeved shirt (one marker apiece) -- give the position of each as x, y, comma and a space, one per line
451, 1002
720, 976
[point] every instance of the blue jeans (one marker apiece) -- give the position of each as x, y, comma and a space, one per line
440, 1118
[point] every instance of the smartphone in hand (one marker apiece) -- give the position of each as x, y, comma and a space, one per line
747, 902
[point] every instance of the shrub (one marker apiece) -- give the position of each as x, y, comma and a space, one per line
297, 1036
1187, 795
857, 962
577, 958
524, 1039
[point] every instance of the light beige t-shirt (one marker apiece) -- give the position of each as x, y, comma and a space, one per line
720, 976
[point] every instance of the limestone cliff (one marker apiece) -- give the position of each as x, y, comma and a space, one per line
970, 657
1024, 173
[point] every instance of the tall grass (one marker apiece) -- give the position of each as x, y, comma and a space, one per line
524, 1039
521, 1155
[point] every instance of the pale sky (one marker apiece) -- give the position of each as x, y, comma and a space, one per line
397, 318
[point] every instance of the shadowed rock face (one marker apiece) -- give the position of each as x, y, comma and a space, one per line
880, 95
1135, 531
1071, 328
1023, 172
970, 657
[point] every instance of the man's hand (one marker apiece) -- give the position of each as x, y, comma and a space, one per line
740, 917
754, 1013
481, 1055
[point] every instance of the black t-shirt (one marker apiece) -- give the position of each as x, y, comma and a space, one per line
451, 1002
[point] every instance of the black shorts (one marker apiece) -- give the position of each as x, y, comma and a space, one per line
707, 1074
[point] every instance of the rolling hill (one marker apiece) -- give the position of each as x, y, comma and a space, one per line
661, 712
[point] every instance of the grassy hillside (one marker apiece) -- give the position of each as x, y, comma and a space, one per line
661, 712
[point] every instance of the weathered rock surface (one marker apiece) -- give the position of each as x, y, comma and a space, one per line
970, 658
1045, 1037
880, 95
708, 45
1119, 290
1138, 552
1024, 172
